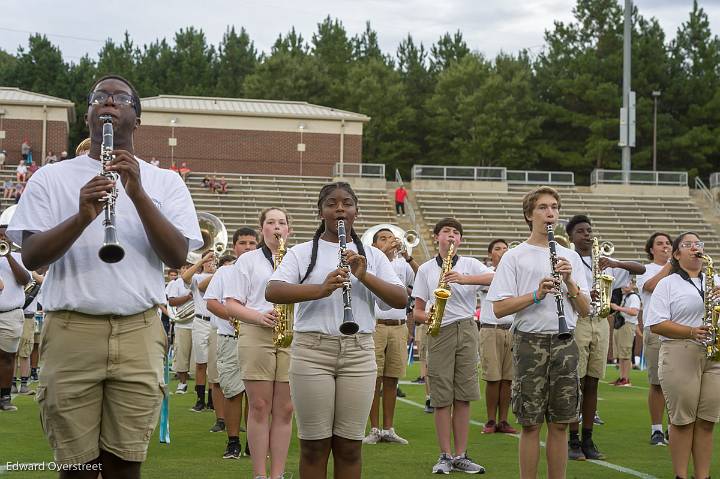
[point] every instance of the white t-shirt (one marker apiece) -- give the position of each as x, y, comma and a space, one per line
487, 315
251, 273
406, 275
325, 315
520, 272
463, 300
79, 280
13, 295
651, 269
676, 300
200, 303
217, 290
631, 301
175, 289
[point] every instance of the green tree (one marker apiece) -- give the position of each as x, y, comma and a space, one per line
119, 59
447, 50
237, 58
81, 76
154, 65
194, 64
40, 68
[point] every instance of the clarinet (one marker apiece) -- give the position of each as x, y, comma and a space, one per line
348, 326
563, 331
110, 251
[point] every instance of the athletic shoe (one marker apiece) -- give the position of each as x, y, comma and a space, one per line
24, 389
232, 451
373, 437
400, 393
575, 452
418, 380
624, 383
615, 383
490, 427
428, 408
658, 439
13, 388
597, 420
5, 404
444, 464
590, 450
34, 377
389, 435
464, 464
219, 426
247, 449
504, 427
181, 389
199, 406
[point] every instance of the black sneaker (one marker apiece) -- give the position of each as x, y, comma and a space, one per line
219, 426
199, 406
6, 405
232, 451
400, 393
418, 380
428, 408
658, 439
590, 450
575, 452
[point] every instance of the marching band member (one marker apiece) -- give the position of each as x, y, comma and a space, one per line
177, 295
592, 335
103, 344
332, 376
624, 333
658, 248
264, 366
496, 356
545, 386
690, 380
453, 353
390, 338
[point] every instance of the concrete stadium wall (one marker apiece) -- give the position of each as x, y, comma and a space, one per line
458, 185
642, 190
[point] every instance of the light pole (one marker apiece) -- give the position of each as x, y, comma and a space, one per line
172, 141
655, 95
301, 146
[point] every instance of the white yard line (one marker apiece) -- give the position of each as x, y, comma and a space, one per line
609, 465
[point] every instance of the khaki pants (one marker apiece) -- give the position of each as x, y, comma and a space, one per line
651, 351
11, 329
183, 350
260, 359
391, 353
212, 368
496, 354
623, 341
421, 341
231, 381
101, 384
592, 336
332, 382
453, 364
27, 339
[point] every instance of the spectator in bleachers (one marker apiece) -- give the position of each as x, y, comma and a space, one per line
155, 162
400, 196
212, 184
63, 156
206, 182
50, 158
8, 189
32, 169
25, 149
19, 187
21, 171
184, 171
221, 186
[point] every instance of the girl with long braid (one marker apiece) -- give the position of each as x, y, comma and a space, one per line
332, 376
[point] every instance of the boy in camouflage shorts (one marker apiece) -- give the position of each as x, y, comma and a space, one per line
545, 385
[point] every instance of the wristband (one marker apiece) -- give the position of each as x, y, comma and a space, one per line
575, 296
536, 300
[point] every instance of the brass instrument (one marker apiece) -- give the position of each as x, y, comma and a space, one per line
442, 293
6, 246
214, 236
284, 313
602, 283
408, 239
110, 251
348, 326
514, 244
563, 330
712, 311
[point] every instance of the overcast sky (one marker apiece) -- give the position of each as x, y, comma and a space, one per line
489, 26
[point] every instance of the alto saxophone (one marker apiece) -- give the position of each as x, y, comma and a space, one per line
282, 332
712, 311
442, 293
602, 283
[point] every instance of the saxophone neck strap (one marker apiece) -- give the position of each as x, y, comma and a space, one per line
268, 255
684, 275
439, 260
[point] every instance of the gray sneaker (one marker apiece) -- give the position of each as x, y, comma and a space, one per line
24, 389
5, 404
13, 388
389, 435
374, 437
464, 464
444, 464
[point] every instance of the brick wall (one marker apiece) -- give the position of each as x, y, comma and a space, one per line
246, 151
17, 130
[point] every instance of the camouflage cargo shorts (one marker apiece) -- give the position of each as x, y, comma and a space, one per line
545, 385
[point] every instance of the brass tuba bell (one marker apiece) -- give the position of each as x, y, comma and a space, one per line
6, 246
408, 239
214, 236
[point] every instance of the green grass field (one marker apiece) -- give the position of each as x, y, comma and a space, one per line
196, 453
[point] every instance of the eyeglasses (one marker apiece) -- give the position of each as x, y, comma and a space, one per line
690, 244
120, 99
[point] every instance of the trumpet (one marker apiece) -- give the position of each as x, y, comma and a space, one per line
5, 247
407, 239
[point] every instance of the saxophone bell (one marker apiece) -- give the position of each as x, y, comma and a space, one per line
442, 293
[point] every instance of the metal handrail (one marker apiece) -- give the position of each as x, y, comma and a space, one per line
363, 170
475, 173
639, 177
531, 177
413, 218
700, 186
714, 180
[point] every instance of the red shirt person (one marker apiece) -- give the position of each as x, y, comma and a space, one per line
400, 195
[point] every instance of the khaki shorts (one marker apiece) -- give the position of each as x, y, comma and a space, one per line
27, 339
651, 352
201, 340
690, 382
183, 350
332, 382
592, 336
11, 330
228, 366
453, 364
623, 341
421, 341
391, 352
101, 384
212, 369
496, 354
546, 386
260, 359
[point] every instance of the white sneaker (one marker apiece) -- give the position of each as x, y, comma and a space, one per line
181, 389
464, 464
374, 437
389, 435
444, 464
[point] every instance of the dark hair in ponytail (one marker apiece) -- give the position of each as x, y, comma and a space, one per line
676, 247
324, 193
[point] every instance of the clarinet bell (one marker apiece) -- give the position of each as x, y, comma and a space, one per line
349, 326
111, 251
